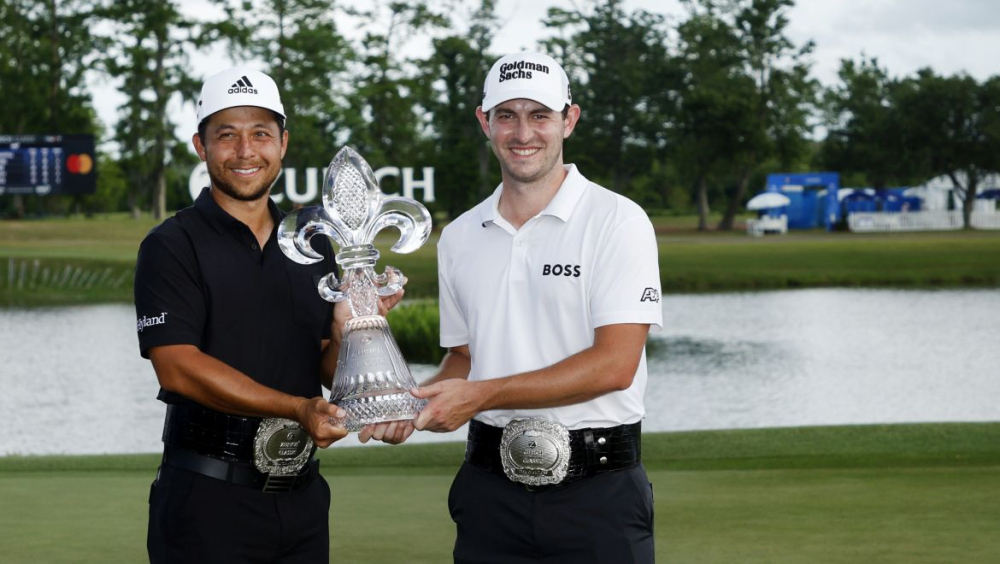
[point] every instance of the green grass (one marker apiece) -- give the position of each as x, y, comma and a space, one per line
906, 494
112, 237
689, 261
819, 259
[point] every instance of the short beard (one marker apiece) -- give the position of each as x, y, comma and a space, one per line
227, 189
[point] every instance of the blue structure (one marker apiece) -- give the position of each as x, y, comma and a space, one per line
890, 200
896, 200
806, 210
860, 201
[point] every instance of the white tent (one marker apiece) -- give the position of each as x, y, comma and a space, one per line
936, 191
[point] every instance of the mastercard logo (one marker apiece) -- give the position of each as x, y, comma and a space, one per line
80, 164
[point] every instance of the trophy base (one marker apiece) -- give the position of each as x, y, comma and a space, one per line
368, 410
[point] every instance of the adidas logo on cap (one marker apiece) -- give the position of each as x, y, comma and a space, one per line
242, 86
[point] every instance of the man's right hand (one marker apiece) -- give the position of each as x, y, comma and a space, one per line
314, 415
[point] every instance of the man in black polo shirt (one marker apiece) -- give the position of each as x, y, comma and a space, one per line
241, 342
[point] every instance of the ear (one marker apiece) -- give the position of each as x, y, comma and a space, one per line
483, 121
284, 143
198, 147
572, 117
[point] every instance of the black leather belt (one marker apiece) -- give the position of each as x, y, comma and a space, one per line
210, 432
592, 451
238, 473
220, 446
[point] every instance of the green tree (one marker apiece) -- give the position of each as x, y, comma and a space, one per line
623, 79
383, 115
147, 51
111, 190
303, 51
952, 125
863, 131
46, 52
182, 160
782, 96
455, 72
715, 109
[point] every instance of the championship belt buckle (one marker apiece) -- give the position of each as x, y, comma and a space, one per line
281, 447
535, 452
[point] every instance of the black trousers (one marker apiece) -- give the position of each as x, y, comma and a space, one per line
606, 519
194, 518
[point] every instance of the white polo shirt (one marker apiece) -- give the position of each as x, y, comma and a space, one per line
527, 298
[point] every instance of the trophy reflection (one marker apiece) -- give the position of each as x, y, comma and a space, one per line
372, 381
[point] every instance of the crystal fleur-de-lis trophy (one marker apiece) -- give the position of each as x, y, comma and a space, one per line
372, 381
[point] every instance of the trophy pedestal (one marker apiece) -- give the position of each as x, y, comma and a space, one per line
363, 411
372, 383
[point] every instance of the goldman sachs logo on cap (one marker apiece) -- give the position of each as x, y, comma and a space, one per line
520, 69
242, 86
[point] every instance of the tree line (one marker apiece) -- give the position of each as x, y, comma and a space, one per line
680, 115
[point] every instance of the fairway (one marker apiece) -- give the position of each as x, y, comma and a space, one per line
911, 516
906, 494
78, 260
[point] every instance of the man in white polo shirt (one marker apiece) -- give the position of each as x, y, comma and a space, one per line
547, 291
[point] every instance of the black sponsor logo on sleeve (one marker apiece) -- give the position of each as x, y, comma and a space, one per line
650, 295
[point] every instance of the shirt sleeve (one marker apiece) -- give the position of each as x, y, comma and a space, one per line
626, 284
454, 331
169, 301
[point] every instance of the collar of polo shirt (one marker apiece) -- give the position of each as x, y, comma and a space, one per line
561, 206
221, 220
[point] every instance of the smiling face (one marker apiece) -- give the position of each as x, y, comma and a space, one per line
243, 148
527, 139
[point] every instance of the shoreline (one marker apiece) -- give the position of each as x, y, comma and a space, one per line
70, 261
839, 446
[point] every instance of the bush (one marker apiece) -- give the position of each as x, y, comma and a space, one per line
415, 326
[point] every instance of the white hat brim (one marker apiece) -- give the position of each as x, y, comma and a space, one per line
552, 102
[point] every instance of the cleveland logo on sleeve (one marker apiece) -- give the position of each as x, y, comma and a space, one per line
144, 321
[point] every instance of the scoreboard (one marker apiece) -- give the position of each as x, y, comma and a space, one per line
44, 165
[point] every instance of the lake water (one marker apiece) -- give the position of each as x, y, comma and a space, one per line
72, 381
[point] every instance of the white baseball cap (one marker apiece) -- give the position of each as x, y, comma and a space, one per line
534, 76
238, 86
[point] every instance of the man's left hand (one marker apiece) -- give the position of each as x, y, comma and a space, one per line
452, 403
385, 303
392, 432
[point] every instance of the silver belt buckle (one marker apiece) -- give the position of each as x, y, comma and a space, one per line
281, 448
535, 452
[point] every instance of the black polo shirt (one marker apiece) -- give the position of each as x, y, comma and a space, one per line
201, 279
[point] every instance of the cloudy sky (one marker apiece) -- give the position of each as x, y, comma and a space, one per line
952, 36
949, 36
